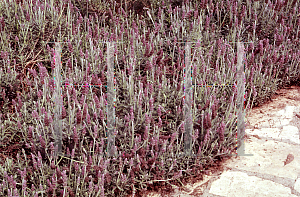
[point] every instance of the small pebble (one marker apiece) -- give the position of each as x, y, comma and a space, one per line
289, 159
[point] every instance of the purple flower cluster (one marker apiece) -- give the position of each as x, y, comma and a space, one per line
46, 120
43, 144
221, 131
196, 135
63, 113
147, 119
207, 135
78, 116
151, 101
43, 72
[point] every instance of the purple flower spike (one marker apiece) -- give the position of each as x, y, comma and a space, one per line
101, 115
159, 111
151, 104
85, 108
96, 131
207, 136
221, 132
46, 120
43, 144
96, 100
147, 119
63, 113
146, 133
27, 16
70, 47
79, 116
65, 178
86, 54
159, 123
76, 138
207, 22
131, 116
196, 135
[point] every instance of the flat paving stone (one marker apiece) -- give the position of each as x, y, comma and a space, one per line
268, 158
240, 184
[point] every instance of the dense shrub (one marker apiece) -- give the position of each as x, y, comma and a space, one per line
149, 81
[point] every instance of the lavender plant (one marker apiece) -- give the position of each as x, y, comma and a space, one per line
149, 74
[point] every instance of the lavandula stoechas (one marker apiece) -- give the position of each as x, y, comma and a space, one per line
147, 119
63, 113
70, 46
39, 160
34, 161
101, 115
42, 141
207, 135
146, 134
78, 116
46, 120
207, 22
196, 135
64, 178
96, 100
207, 122
43, 72
151, 101
159, 110
96, 131
221, 131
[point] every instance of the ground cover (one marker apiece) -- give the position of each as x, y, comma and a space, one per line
152, 106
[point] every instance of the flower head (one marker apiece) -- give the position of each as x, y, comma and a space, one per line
63, 113
65, 178
78, 116
101, 115
96, 131
82, 99
85, 109
207, 136
207, 22
159, 123
70, 46
43, 144
96, 101
221, 131
195, 136
207, 121
27, 16
46, 120
147, 119
146, 133
151, 104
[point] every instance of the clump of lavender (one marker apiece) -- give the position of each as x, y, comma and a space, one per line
87, 131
